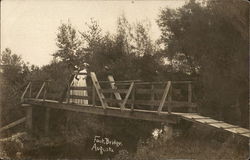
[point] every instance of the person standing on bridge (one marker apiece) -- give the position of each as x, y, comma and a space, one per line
79, 81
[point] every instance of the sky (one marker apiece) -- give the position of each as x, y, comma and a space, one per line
29, 27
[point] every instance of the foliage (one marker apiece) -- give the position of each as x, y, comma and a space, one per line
212, 50
211, 47
197, 143
13, 76
69, 46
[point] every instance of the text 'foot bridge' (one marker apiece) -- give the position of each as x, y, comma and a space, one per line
167, 102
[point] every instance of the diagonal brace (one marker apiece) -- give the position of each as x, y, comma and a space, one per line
41, 89
98, 88
112, 84
165, 93
127, 95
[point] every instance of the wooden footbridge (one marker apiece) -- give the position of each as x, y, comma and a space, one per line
167, 102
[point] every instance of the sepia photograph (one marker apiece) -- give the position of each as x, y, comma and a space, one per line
124, 80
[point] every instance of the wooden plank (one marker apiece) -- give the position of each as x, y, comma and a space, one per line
98, 87
93, 96
246, 135
38, 94
79, 88
26, 89
30, 93
68, 94
125, 82
231, 127
155, 103
201, 118
216, 122
238, 130
79, 97
145, 102
149, 91
170, 99
221, 125
127, 95
113, 86
110, 111
115, 91
152, 96
189, 92
45, 91
208, 121
192, 116
164, 96
173, 82
113, 100
13, 124
133, 98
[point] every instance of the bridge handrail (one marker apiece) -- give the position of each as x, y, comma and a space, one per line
150, 83
29, 87
25, 91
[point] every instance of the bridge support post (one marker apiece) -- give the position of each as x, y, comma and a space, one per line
46, 123
28, 124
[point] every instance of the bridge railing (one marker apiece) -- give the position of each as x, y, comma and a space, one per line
35, 89
132, 94
154, 96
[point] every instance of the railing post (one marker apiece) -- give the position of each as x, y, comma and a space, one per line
152, 97
189, 96
93, 96
68, 94
133, 98
189, 92
30, 93
170, 99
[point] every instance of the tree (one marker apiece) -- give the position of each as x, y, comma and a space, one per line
12, 82
213, 48
69, 45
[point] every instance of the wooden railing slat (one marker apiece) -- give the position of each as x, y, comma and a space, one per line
79, 97
98, 88
38, 94
114, 90
127, 95
166, 91
79, 88
26, 89
149, 91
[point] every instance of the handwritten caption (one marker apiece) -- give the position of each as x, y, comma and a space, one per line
104, 144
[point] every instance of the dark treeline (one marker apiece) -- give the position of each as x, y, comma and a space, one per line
204, 42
